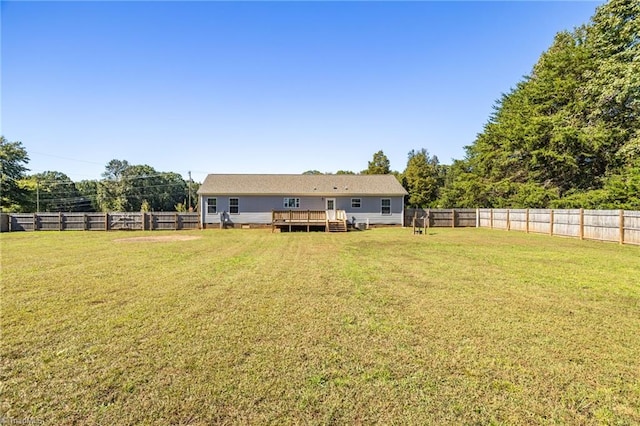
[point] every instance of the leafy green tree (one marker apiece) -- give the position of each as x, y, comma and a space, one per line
345, 172
88, 189
53, 191
379, 165
13, 160
127, 187
111, 194
422, 178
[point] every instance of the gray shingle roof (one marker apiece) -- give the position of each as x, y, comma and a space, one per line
322, 185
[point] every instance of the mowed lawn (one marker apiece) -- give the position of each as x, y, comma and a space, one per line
463, 326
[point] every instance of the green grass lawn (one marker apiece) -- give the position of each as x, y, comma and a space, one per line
463, 326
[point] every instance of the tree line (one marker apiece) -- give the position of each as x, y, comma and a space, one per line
123, 187
566, 136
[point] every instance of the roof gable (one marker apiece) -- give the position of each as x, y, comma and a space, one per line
280, 184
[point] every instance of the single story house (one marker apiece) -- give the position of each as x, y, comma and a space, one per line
285, 200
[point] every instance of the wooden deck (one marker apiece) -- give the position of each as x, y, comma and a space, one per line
290, 219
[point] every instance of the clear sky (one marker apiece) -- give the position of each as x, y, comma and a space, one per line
261, 87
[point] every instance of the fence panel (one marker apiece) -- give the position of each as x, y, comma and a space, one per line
518, 220
566, 223
48, 221
22, 222
96, 222
500, 219
441, 218
163, 220
540, 221
602, 225
466, 218
188, 221
484, 220
631, 231
73, 221
125, 221
410, 213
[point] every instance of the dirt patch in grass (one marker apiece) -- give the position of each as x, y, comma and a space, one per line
157, 239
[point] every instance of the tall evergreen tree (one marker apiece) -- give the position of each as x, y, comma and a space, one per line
568, 129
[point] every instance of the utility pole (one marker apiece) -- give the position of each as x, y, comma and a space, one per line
189, 209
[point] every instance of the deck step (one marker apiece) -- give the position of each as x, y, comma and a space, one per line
337, 226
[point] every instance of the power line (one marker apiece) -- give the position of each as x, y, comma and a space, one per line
65, 158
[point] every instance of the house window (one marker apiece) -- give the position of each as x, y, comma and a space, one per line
291, 203
212, 205
385, 204
355, 203
234, 206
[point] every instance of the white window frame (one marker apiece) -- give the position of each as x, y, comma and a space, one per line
354, 202
237, 205
383, 207
289, 205
214, 205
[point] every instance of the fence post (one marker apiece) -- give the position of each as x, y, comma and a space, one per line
477, 218
582, 224
35, 221
508, 220
621, 221
176, 222
526, 218
551, 223
60, 221
453, 218
106, 221
84, 222
491, 218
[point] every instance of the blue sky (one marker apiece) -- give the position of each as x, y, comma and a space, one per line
261, 87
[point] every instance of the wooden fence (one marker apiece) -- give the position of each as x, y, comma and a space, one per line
116, 221
441, 218
622, 226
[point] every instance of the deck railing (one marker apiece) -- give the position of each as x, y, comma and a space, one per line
298, 216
